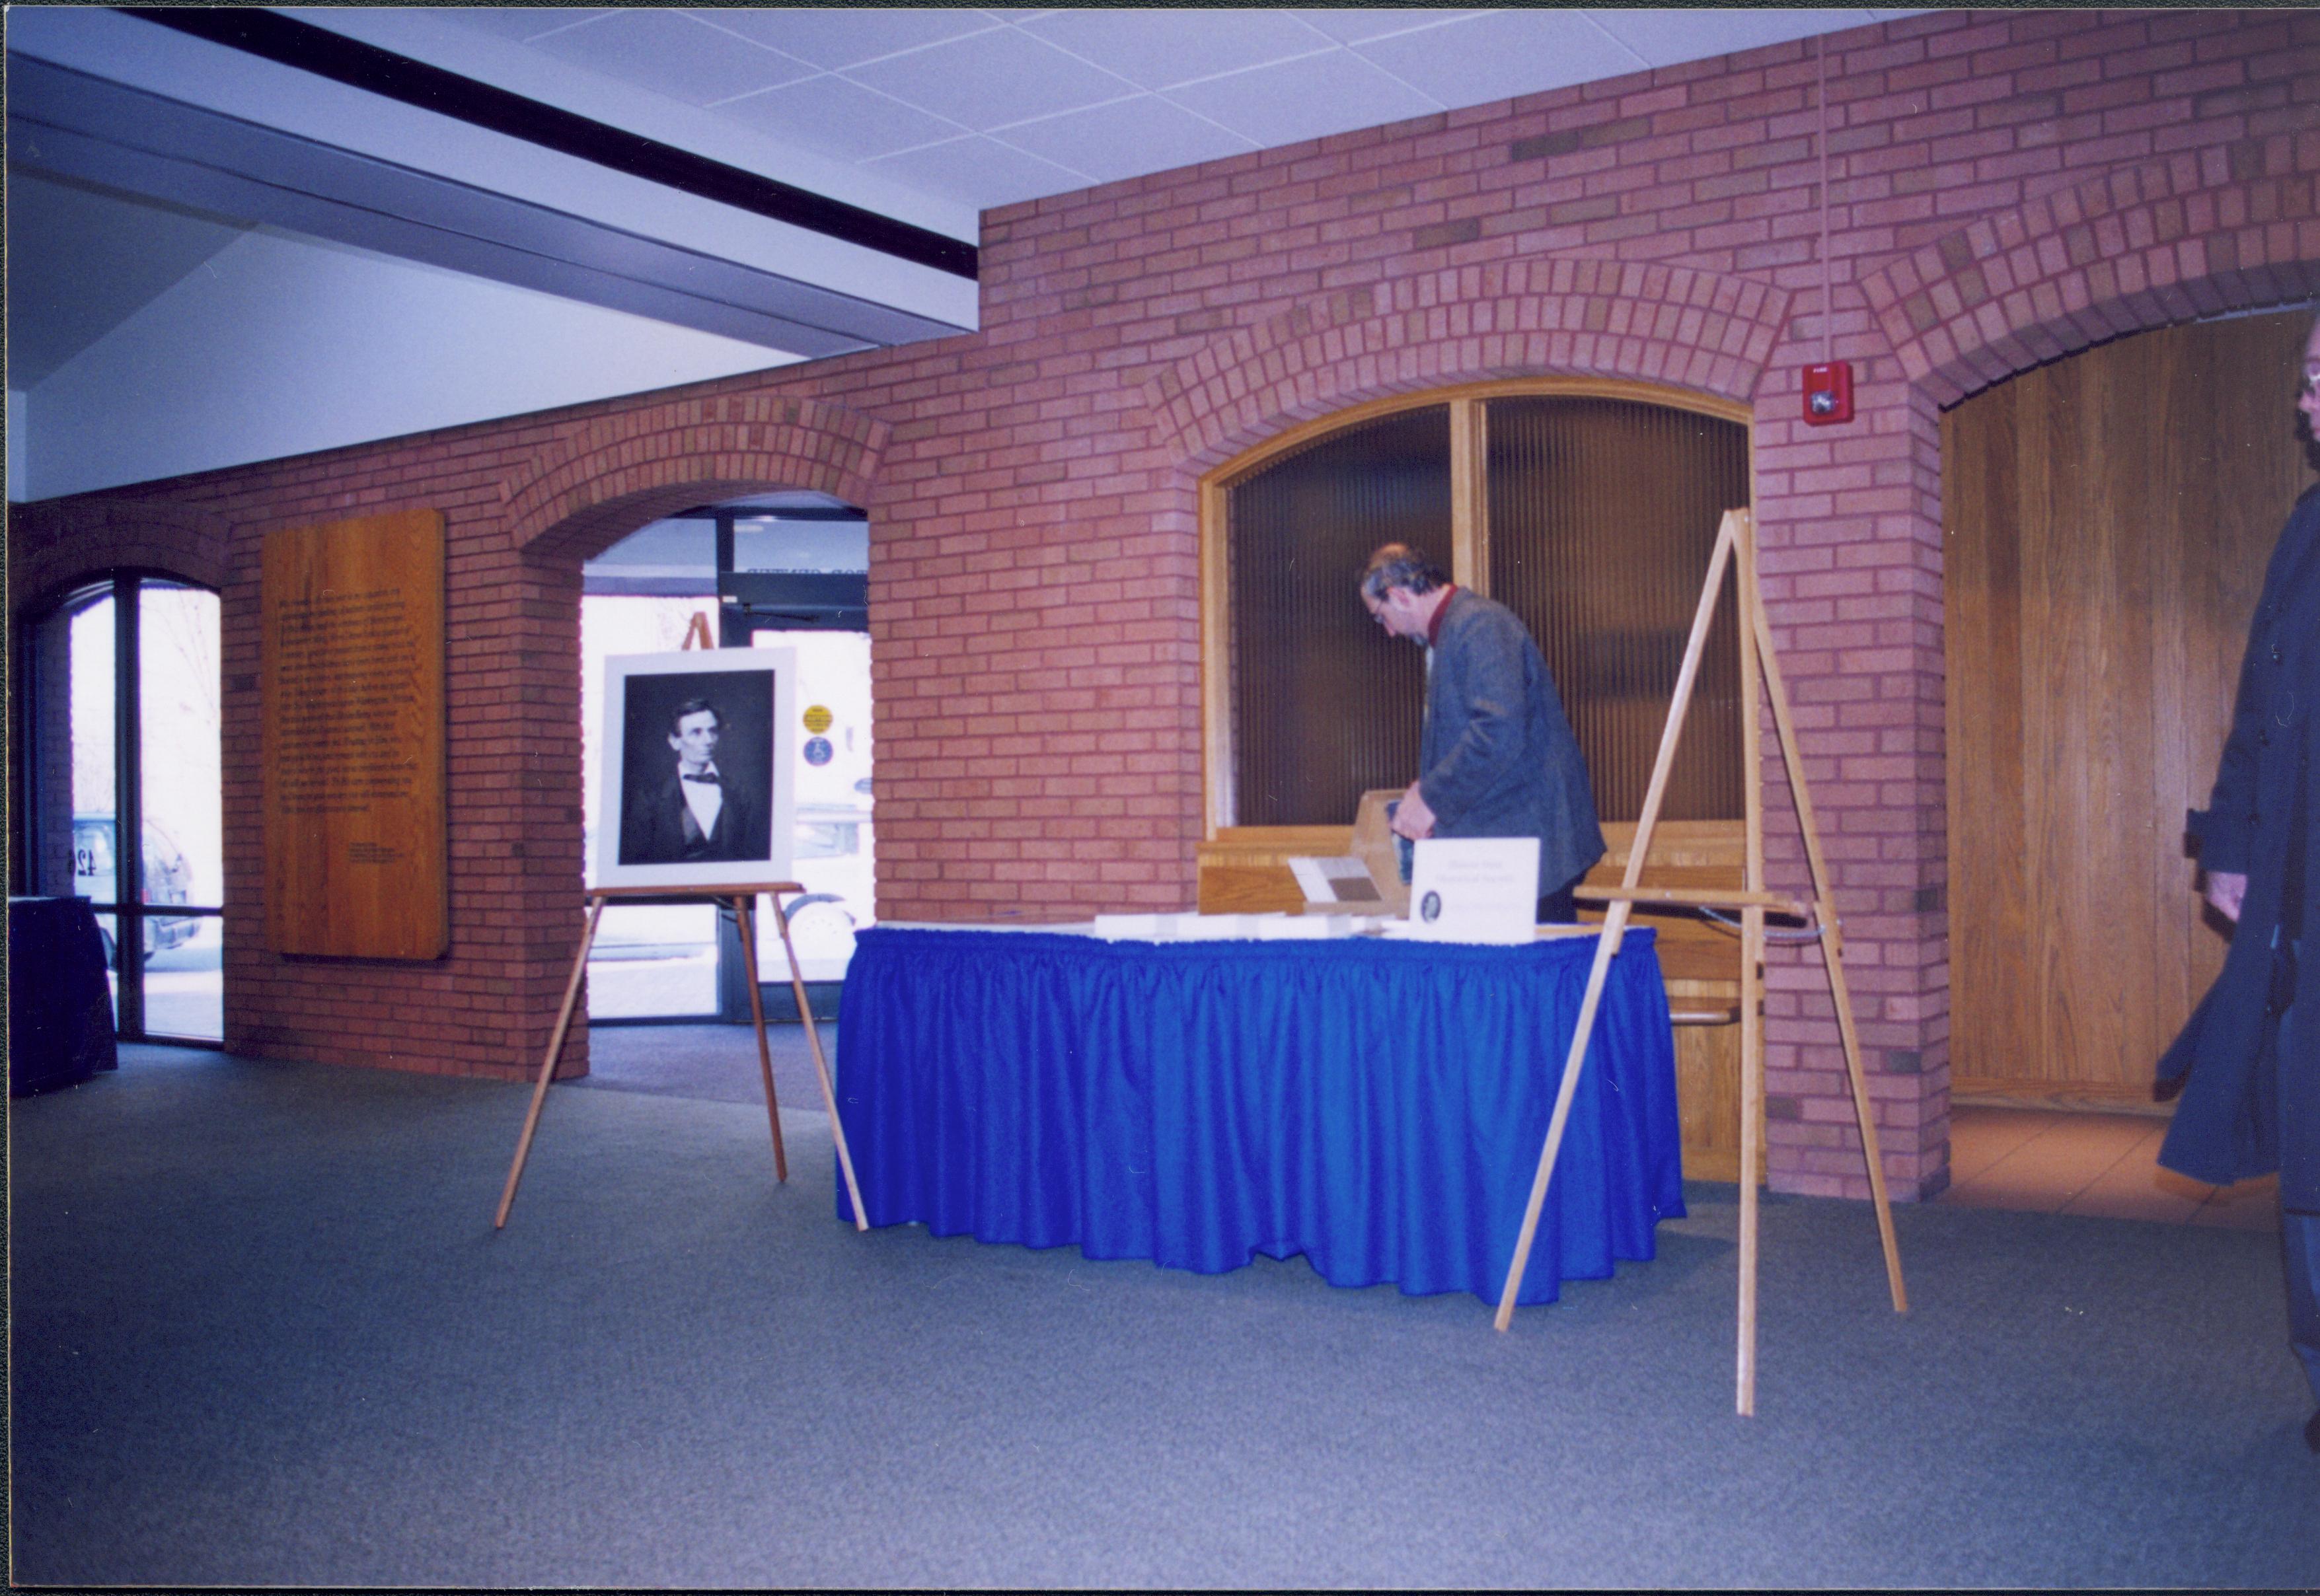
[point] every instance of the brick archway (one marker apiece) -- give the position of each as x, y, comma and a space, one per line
54, 546
1654, 323
2233, 227
625, 470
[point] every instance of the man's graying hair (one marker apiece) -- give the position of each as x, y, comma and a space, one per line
1399, 565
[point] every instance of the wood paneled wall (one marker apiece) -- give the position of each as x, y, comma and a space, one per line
2108, 521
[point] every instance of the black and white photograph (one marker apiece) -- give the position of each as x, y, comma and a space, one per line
697, 761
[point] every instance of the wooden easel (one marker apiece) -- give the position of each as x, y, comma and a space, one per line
1736, 541
743, 902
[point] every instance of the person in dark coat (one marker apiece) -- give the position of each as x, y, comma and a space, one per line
1497, 758
694, 815
2248, 1063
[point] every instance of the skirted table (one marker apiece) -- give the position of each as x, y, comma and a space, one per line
1377, 1105
60, 1004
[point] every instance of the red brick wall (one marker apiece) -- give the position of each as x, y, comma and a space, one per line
2004, 188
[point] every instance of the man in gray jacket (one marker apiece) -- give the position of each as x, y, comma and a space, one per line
1497, 758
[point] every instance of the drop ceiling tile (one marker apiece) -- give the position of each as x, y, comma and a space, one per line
979, 172
1158, 48
835, 36
672, 54
1306, 99
1126, 139
1667, 36
520, 22
989, 80
1502, 54
838, 118
1355, 25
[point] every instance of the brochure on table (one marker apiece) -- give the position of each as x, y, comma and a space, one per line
1345, 879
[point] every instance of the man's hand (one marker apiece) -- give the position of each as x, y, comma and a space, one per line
2227, 890
1415, 821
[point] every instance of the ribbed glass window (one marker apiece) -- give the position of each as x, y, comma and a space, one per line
1602, 516
1598, 516
1325, 704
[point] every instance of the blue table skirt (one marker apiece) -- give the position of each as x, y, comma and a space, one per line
1376, 1105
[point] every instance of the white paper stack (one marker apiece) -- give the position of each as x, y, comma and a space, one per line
1199, 928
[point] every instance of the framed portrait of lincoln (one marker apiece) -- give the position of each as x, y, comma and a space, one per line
697, 769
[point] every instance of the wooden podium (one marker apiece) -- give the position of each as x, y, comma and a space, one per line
742, 900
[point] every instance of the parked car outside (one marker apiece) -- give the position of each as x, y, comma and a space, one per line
167, 878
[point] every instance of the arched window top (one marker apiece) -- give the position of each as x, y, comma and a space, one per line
1303, 435
1587, 507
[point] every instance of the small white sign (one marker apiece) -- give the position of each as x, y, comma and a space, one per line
1475, 889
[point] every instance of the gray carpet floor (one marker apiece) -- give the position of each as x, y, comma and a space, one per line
712, 1063
264, 1333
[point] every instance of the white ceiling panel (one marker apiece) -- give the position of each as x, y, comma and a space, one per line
1305, 99
982, 171
1502, 54
830, 115
989, 80
1156, 48
1353, 25
833, 37
1666, 37
535, 75
672, 54
520, 22
1126, 139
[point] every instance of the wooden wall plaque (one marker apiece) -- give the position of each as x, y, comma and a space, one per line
351, 689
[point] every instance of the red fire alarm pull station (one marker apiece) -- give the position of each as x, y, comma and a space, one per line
1828, 393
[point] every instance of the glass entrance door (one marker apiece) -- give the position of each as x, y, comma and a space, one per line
834, 854
123, 726
784, 570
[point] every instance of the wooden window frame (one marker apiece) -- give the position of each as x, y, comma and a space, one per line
1469, 533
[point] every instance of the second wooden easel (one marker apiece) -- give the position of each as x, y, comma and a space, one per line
1736, 544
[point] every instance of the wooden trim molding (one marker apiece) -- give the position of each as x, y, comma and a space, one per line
1470, 500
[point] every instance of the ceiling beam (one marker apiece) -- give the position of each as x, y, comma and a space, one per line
358, 65
64, 123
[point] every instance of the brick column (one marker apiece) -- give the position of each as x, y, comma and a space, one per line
1850, 527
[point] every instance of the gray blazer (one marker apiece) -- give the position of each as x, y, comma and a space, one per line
1498, 759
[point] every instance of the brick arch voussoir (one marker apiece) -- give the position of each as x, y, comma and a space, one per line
1683, 328
625, 472
54, 547
2233, 227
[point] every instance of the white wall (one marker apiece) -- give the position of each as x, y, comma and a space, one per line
282, 345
